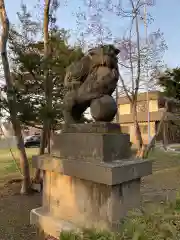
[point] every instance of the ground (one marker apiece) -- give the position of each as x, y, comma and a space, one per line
15, 209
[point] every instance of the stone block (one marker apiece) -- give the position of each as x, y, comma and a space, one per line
84, 194
50, 226
88, 204
95, 127
91, 147
106, 173
92, 142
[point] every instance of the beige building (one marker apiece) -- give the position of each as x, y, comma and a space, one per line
156, 106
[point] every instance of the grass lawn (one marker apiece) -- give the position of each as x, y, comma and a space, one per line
8, 164
164, 160
159, 154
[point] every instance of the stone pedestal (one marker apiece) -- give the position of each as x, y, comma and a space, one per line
89, 180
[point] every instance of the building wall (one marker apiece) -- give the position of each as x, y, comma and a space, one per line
6, 130
129, 128
157, 102
125, 109
153, 105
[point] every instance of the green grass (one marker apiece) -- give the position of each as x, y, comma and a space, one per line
157, 222
158, 154
7, 163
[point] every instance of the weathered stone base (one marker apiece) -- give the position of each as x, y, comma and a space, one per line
71, 202
112, 173
89, 204
51, 226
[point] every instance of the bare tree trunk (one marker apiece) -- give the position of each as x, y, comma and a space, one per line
153, 140
165, 142
26, 184
37, 177
139, 141
48, 85
117, 98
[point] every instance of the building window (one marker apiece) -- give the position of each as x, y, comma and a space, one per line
124, 109
153, 105
144, 129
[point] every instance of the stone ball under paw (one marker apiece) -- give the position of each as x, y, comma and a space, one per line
103, 109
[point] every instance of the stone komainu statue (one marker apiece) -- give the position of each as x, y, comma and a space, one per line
90, 82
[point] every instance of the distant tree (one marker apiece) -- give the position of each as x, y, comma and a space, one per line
12, 101
29, 78
29, 69
140, 58
170, 82
28, 65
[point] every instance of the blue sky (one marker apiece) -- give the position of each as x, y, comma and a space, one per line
166, 14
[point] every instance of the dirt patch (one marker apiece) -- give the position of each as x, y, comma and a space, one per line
15, 212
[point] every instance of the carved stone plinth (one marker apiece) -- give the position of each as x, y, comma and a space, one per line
94, 184
94, 142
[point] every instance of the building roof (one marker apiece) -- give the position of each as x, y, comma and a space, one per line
153, 116
152, 95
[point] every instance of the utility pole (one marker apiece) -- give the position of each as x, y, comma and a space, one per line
147, 75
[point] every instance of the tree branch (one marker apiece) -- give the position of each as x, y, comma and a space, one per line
5, 26
130, 57
139, 58
153, 140
124, 87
